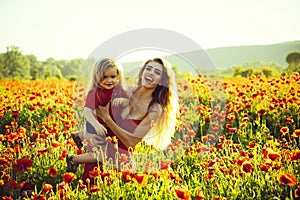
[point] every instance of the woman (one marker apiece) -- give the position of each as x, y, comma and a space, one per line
149, 116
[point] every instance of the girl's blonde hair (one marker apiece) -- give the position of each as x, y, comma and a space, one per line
165, 94
98, 72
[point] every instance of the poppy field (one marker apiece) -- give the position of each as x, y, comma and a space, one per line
244, 146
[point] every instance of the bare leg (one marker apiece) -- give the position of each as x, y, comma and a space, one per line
81, 135
85, 158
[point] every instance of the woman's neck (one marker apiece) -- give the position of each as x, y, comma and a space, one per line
143, 92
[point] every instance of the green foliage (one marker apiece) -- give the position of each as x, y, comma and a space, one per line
14, 65
255, 68
293, 59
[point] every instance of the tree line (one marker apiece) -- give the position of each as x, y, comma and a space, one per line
14, 65
267, 69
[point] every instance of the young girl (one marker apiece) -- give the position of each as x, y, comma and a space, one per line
105, 86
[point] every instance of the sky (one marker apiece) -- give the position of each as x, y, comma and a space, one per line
70, 29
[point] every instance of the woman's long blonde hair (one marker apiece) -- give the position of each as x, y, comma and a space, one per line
165, 94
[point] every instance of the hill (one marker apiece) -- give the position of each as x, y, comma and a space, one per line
226, 57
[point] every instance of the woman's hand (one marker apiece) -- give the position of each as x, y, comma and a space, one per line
120, 102
103, 112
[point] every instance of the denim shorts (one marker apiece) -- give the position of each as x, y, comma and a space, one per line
90, 128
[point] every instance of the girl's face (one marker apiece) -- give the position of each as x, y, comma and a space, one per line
152, 74
110, 79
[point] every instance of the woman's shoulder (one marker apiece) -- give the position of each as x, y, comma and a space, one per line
130, 89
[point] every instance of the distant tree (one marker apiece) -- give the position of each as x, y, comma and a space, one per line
247, 73
35, 67
293, 60
61, 64
269, 71
293, 57
51, 69
1, 66
14, 64
237, 70
259, 65
72, 67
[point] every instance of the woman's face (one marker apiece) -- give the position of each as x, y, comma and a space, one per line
110, 79
152, 74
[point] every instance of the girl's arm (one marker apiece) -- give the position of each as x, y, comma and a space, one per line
127, 138
90, 117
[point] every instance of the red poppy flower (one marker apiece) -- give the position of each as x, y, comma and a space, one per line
26, 186
55, 144
94, 188
297, 192
277, 166
127, 176
251, 144
108, 139
94, 173
262, 111
284, 130
47, 187
52, 172
15, 114
22, 165
4, 162
297, 133
295, 155
200, 195
232, 130
63, 155
273, 155
142, 179
264, 167
182, 193
14, 124
205, 139
285, 178
165, 164
231, 118
247, 167
69, 177
105, 174
174, 176
157, 174
82, 187
241, 161
13, 185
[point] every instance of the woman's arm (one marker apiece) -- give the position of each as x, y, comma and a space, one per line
127, 138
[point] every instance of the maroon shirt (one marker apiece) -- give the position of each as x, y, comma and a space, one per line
100, 97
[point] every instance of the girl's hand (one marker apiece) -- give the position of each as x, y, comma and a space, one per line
101, 130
